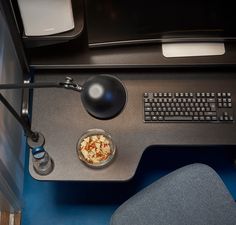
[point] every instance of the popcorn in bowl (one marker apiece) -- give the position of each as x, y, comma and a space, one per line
96, 148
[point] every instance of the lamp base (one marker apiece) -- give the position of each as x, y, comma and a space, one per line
34, 144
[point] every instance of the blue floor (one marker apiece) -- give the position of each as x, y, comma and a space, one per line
75, 203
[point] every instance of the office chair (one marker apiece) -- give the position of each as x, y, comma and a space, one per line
192, 195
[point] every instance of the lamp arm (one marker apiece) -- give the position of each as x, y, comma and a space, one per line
67, 84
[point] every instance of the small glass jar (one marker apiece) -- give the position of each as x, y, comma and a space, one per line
42, 162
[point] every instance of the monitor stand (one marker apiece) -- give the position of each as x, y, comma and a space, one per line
192, 49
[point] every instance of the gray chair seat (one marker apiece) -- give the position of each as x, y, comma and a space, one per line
192, 195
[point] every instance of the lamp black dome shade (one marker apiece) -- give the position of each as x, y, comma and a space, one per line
103, 96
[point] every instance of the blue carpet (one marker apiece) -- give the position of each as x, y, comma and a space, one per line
78, 203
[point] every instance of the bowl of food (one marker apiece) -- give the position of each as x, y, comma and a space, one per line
96, 148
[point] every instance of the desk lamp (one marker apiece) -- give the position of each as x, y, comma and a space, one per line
103, 97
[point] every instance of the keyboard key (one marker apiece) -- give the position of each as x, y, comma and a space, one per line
225, 114
154, 118
178, 118
148, 109
211, 100
226, 118
210, 114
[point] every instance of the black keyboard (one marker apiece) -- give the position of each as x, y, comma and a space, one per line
188, 107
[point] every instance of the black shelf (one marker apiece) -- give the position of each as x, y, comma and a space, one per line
77, 55
78, 13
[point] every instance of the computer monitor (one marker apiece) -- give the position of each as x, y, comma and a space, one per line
118, 22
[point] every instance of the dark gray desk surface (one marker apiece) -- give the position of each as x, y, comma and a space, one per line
60, 116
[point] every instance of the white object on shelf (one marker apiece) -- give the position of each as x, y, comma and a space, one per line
46, 17
192, 49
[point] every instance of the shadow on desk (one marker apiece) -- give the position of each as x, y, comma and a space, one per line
154, 164
91, 203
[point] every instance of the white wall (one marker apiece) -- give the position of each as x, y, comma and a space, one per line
11, 135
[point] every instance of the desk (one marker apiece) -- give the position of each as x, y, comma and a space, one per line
60, 116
